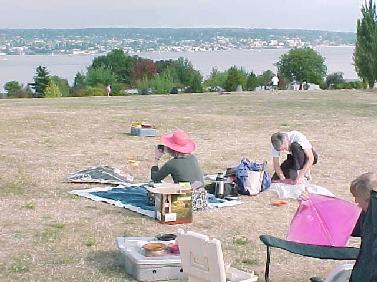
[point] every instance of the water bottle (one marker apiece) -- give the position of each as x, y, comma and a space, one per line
220, 183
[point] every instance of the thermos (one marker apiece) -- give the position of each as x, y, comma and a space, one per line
220, 183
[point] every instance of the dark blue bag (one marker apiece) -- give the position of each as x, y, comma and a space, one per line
266, 182
242, 175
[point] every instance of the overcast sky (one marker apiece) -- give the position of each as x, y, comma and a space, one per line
337, 15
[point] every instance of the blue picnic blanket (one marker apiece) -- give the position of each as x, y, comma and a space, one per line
135, 197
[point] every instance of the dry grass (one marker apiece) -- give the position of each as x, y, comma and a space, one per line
47, 234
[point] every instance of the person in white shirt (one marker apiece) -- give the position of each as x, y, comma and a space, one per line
301, 156
275, 83
108, 90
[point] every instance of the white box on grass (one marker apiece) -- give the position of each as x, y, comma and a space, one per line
142, 268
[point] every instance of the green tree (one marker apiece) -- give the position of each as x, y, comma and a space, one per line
62, 84
79, 80
216, 79
265, 78
12, 88
118, 62
235, 77
196, 82
365, 54
52, 90
302, 64
100, 75
41, 81
251, 82
182, 73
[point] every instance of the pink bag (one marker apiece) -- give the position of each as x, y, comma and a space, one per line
323, 221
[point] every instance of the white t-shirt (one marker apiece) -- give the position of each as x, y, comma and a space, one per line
293, 136
275, 81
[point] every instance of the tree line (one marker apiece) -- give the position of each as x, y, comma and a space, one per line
124, 72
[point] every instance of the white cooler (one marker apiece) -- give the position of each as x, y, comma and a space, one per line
144, 268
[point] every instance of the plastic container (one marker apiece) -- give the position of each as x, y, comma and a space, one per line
142, 268
143, 131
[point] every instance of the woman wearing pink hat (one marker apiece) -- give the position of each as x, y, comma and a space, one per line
183, 167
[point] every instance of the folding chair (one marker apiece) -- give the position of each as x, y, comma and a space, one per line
321, 252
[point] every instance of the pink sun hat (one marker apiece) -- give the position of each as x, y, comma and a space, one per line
179, 141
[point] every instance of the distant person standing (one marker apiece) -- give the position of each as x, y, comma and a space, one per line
108, 90
275, 82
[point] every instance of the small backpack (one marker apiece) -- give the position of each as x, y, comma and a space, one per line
252, 178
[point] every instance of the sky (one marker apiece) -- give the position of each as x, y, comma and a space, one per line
334, 15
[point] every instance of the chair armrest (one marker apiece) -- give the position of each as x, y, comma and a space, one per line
314, 251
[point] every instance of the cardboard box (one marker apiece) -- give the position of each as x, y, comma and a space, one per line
173, 203
143, 131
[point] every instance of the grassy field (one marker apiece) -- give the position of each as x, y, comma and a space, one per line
48, 234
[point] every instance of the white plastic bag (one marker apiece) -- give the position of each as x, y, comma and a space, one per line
253, 182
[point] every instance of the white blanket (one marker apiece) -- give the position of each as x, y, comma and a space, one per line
285, 191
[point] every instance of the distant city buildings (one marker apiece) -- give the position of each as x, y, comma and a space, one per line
134, 41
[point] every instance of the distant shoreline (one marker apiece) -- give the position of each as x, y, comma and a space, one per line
175, 51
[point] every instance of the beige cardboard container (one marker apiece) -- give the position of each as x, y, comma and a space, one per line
173, 203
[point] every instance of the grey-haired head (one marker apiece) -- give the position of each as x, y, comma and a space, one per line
362, 185
278, 139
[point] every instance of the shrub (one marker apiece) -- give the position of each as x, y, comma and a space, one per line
52, 90
99, 90
323, 85
12, 87
24, 93
358, 84
351, 85
62, 84
265, 78
118, 89
332, 80
160, 84
17, 90
215, 80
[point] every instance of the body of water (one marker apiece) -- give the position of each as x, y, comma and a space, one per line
22, 68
